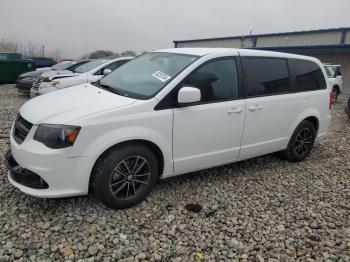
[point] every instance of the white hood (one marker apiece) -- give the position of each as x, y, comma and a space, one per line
66, 105
43, 69
53, 74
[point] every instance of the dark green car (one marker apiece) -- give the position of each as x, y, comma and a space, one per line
12, 65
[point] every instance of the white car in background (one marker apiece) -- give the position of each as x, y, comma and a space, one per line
335, 79
87, 73
44, 69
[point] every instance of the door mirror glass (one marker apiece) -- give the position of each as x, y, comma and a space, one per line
106, 71
188, 95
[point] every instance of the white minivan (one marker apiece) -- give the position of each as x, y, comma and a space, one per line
167, 113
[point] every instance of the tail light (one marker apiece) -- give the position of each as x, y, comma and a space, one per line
330, 100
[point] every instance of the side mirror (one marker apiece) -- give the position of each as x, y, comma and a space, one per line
188, 95
106, 71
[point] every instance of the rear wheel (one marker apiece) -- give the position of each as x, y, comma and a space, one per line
125, 176
301, 142
335, 94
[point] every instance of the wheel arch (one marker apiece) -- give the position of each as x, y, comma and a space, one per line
311, 115
151, 145
314, 120
337, 87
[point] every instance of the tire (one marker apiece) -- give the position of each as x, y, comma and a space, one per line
120, 179
301, 142
335, 92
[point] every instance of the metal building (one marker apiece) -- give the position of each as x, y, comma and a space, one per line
328, 45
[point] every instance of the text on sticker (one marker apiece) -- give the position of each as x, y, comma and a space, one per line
161, 76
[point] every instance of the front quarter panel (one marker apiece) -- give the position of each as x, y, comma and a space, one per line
102, 131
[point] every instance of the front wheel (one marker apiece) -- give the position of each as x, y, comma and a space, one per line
301, 142
125, 176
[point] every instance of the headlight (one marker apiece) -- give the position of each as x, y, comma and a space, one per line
56, 136
55, 83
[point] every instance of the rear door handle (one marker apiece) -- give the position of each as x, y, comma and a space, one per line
256, 107
234, 110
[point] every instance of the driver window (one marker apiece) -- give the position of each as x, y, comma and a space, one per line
217, 80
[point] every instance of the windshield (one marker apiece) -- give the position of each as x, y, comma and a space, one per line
91, 65
145, 75
62, 65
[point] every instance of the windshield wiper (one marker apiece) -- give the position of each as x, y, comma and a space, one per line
109, 88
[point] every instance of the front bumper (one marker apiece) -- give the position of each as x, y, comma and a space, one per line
41, 91
24, 86
34, 92
23, 176
63, 175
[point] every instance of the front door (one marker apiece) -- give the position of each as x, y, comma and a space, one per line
210, 132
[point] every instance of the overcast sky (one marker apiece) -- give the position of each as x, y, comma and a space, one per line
139, 25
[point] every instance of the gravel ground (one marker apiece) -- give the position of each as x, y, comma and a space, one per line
257, 210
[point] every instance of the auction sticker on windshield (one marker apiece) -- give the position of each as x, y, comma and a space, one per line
161, 76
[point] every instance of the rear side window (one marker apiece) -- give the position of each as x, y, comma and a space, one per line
330, 72
308, 75
217, 80
338, 72
266, 76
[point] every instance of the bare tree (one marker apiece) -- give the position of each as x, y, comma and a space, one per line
99, 54
128, 53
30, 50
55, 54
9, 45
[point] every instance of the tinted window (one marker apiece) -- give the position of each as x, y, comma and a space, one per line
217, 80
330, 71
308, 75
337, 71
266, 76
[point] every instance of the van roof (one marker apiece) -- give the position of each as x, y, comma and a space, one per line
243, 52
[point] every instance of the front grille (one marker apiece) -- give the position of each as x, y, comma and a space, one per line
21, 129
36, 83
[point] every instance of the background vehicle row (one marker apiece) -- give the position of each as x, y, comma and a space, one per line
90, 71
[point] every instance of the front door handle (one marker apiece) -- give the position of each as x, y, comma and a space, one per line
234, 110
256, 107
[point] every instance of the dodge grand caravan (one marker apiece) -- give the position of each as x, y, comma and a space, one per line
167, 113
